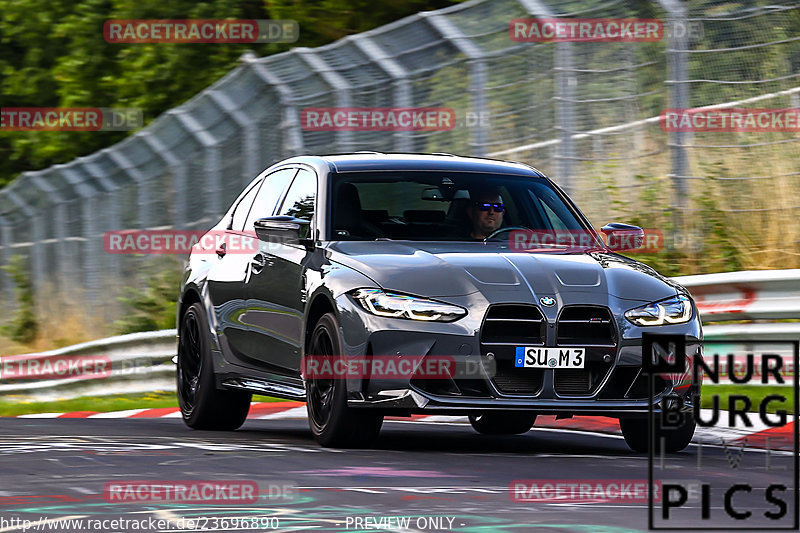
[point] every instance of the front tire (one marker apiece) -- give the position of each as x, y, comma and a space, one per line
332, 422
502, 422
634, 430
203, 406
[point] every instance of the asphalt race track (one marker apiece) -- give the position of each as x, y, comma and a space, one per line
444, 476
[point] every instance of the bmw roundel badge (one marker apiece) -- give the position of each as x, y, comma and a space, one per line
547, 301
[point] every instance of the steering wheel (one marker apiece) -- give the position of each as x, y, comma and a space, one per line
501, 230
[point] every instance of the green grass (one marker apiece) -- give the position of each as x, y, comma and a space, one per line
754, 392
101, 404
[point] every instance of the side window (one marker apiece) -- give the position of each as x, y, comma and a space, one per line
242, 208
299, 200
268, 196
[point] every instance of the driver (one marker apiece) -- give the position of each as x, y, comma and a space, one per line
485, 213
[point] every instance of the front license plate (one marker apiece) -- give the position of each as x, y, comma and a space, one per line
535, 357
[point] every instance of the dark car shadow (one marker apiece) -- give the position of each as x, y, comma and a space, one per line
454, 439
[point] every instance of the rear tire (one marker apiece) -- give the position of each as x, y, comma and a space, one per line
332, 422
502, 422
203, 406
675, 439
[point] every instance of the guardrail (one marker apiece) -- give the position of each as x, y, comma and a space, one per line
746, 295
139, 362
142, 362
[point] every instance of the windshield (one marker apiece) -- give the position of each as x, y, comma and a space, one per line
446, 206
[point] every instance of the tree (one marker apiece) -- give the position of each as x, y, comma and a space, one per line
54, 55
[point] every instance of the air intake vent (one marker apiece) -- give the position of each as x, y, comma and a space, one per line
573, 382
504, 328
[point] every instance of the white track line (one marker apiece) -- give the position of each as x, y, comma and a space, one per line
294, 412
118, 414
443, 418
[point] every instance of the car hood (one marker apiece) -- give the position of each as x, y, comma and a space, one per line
436, 269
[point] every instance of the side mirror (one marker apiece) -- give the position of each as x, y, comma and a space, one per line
623, 236
282, 229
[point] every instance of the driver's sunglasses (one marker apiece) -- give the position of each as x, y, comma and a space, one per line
498, 208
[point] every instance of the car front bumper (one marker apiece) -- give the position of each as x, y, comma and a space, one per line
623, 391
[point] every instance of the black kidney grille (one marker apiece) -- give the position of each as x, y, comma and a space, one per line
593, 328
516, 325
586, 326
505, 327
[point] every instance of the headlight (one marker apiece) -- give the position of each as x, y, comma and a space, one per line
393, 305
675, 310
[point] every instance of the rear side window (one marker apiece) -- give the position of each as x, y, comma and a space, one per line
243, 207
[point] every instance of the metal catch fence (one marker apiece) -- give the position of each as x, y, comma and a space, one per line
586, 113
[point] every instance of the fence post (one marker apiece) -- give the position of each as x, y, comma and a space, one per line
34, 256
677, 75
564, 151
142, 191
249, 128
213, 174
178, 170
56, 217
92, 246
399, 75
477, 72
5, 257
79, 187
565, 115
340, 86
290, 124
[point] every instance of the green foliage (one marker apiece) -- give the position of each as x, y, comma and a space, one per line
153, 307
323, 21
15, 405
23, 327
756, 394
720, 235
55, 55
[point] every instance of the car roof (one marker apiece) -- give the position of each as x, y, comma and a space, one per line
377, 161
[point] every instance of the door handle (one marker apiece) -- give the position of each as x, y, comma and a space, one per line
258, 263
222, 250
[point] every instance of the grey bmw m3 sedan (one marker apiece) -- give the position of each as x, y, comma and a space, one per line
374, 284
